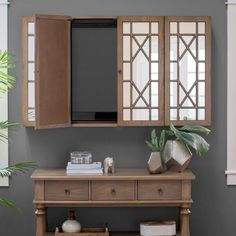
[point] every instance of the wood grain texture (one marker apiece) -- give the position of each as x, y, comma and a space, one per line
53, 68
25, 91
132, 203
160, 92
66, 190
120, 174
207, 20
125, 188
113, 190
39, 190
159, 190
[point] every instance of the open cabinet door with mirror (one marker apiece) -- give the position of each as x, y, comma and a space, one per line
188, 70
46, 49
140, 71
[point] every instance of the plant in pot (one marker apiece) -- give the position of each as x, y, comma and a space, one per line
156, 145
177, 154
6, 82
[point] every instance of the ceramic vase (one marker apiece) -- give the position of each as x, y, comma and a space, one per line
155, 164
176, 155
71, 225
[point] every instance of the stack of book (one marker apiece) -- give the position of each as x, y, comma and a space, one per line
94, 168
155, 228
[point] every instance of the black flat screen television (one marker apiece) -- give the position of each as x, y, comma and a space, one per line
94, 70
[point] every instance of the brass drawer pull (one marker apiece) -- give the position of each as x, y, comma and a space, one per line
113, 191
67, 192
160, 191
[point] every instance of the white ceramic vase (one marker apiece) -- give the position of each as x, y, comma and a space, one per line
71, 225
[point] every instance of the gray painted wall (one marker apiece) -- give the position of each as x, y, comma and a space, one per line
214, 208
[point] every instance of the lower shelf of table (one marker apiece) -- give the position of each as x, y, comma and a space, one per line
115, 234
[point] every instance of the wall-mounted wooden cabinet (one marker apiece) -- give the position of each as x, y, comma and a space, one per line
156, 69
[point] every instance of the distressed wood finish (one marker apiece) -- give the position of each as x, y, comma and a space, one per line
159, 190
125, 188
133, 86
53, 68
207, 61
66, 190
113, 190
25, 92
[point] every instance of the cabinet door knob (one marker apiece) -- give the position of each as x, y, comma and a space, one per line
120, 71
160, 191
113, 191
67, 191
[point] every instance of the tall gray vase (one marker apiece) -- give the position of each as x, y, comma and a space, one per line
155, 165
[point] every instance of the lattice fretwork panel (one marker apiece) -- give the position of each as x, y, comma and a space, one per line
188, 70
141, 64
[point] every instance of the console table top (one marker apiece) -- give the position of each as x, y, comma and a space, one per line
120, 174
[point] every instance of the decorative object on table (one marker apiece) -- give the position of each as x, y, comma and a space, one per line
86, 232
71, 225
109, 165
94, 168
78, 157
155, 228
156, 145
177, 154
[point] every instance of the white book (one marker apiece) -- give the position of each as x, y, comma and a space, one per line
154, 228
95, 171
94, 165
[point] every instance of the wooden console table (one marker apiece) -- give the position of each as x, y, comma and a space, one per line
127, 187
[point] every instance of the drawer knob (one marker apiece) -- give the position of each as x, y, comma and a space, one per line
113, 191
160, 191
67, 191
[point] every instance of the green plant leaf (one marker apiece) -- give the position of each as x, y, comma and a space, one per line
195, 129
6, 125
153, 134
8, 203
6, 80
151, 146
191, 139
162, 140
17, 168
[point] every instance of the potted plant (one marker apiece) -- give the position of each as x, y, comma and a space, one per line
6, 82
177, 154
156, 145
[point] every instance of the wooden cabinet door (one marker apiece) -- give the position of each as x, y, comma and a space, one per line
140, 71
188, 70
53, 71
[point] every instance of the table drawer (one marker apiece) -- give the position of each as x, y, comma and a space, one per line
66, 190
113, 190
159, 190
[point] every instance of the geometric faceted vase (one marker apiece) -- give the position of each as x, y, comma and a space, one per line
176, 155
155, 163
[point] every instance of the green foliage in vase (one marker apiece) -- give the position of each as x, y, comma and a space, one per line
191, 136
6, 82
157, 144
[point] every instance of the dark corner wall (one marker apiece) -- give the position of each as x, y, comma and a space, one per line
214, 208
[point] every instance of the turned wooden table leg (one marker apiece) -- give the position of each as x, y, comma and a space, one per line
184, 221
40, 220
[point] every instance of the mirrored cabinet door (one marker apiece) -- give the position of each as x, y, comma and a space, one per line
29, 71
188, 70
140, 71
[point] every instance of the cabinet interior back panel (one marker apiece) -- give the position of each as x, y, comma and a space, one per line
94, 71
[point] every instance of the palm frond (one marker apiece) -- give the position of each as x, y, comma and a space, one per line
8, 203
22, 167
4, 125
6, 62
